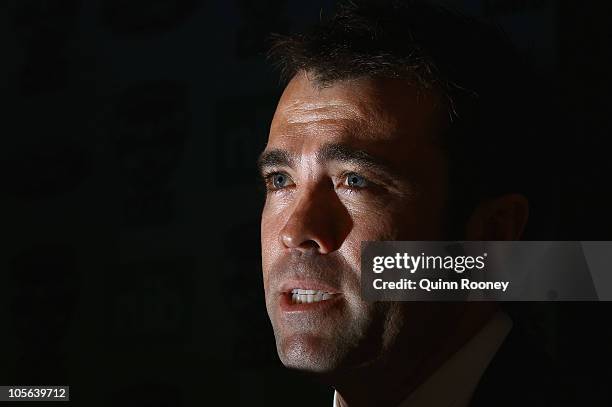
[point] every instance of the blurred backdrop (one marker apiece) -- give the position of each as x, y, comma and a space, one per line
130, 264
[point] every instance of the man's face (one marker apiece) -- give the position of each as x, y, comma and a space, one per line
355, 161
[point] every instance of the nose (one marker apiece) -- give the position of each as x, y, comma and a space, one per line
318, 222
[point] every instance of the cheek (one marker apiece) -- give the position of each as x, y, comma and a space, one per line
271, 246
368, 225
402, 219
375, 222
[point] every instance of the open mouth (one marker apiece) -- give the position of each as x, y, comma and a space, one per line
301, 296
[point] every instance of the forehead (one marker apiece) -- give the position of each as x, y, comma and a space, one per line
375, 112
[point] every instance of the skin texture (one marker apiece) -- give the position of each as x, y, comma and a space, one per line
347, 163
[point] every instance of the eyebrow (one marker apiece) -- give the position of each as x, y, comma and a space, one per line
275, 158
348, 155
329, 152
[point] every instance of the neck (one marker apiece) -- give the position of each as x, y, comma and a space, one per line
387, 382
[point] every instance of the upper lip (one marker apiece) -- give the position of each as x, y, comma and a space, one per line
307, 284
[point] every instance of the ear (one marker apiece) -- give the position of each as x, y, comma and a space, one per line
501, 218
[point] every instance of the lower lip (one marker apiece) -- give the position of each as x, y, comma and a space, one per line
287, 305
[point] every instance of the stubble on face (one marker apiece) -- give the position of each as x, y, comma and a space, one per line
312, 227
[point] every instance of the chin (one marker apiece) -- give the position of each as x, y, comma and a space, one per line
308, 353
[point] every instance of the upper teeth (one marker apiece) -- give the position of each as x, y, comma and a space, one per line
300, 296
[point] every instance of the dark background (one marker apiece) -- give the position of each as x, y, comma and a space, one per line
130, 266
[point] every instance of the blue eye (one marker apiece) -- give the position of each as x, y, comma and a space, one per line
355, 181
280, 180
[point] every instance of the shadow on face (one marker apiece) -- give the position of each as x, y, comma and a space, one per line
351, 162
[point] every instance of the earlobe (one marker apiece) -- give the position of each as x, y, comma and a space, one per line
501, 218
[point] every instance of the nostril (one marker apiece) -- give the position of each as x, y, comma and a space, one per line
306, 244
310, 244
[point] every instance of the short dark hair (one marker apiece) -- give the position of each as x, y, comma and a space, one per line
483, 80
